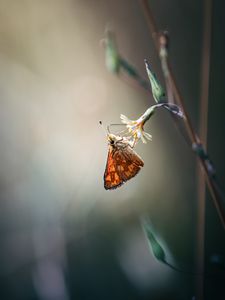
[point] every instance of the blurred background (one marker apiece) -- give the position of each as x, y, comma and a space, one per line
62, 235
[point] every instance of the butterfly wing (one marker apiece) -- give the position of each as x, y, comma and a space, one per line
128, 164
122, 164
112, 179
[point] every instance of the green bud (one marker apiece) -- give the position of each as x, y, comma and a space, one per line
112, 58
157, 90
154, 245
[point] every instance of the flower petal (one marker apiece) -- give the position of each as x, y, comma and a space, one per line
124, 119
147, 136
143, 139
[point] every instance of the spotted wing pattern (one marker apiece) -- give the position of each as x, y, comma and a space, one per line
122, 164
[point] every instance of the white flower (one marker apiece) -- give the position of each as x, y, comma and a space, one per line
136, 128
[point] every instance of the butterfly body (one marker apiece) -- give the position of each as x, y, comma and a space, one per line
123, 162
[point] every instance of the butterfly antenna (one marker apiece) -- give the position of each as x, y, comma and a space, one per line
121, 131
108, 129
103, 128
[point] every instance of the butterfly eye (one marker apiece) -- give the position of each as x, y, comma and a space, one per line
111, 142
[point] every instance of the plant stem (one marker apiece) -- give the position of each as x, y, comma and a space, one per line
205, 69
178, 97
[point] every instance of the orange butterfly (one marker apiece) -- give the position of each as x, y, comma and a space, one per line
123, 162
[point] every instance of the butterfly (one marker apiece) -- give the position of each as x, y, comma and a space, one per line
123, 162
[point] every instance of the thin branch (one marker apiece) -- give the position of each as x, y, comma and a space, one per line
197, 145
205, 69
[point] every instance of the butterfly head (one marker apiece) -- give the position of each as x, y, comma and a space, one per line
113, 139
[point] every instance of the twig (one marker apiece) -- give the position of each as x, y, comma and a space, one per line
197, 145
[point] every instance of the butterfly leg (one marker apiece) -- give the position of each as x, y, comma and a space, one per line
133, 143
